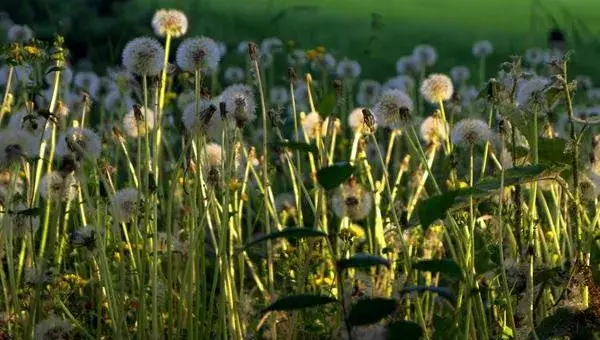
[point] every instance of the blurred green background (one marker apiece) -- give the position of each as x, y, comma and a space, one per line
375, 32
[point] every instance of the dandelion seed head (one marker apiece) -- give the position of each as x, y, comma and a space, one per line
125, 204
297, 58
482, 49
534, 56
348, 69
271, 46
402, 82
57, 186
286, 202
527, 88
82, 142
143, 56
406, 65
588, 186
437, 88
352, 200
393, 109
469, 132
356, 121
460, 74
197, 123
234, 75
311, 125
135, 126
506, 159
19, 33
169, 22
325, 62
15, 144
279, 95
53, 328
117, 101
368, 91
239, 101
88, 81
434, 130
213, 155
198, 54
66, 78
424, 55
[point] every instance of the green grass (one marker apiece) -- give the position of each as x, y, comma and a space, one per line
451, 26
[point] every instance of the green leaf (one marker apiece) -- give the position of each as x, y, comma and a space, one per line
435, 208
288, 233
553, 150
55, 69
297, 146
332, 176
444, 266
441, 291
361, 260
326, 105
368, 311
406, 330
519, 175
31, 212
300, 301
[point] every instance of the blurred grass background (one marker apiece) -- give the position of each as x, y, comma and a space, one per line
375, 32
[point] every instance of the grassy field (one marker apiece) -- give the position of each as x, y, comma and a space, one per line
451, 26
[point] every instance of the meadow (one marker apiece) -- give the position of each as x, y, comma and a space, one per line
277, 189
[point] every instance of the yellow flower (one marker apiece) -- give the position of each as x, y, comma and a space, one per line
117, 257
234, 185
320, 49
456, 185
311, 54
33, 51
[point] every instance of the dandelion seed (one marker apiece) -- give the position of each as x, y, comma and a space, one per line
14, 146
239, 100
534, 56
198, 54
233, 75
57, 186
469, 132
460, 74
202, 122
368, 91
88, 82
169, 22
279, 95
136, 125
348, 69
357, 122
482, 49
437, 88
271, 46
143, 56
424, 55
434, 130
125, 205
352, 200
527, 89
311, 125
19, 33
393, 109
82, 142
297, 58
53, 328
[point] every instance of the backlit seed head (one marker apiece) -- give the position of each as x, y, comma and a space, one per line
297, 58
469, 132
279, 95
19, 33
58, 186
240, 103
358, 123
143, 56
393, 109
169, 22
198, 54
352, 200
271, 46
434, 130
205, 121
460, 74
135, 125
88, 82
126, 204
482, 49
15, 145
368, 92
424, 55
311, 125
53, 327
527, 89
437, 88
233, 75
81, 142
534, 56
348, 69
402, 82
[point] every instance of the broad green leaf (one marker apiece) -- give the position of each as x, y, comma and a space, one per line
435, 208
441, 291
326, 105
301, 301
288, 233
368, 311
332, 176
29, 212
362, 261
553, 150
444, 266
406, 330
297, 146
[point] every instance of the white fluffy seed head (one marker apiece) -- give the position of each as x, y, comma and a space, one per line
402, 82
469, 132
171, 22
135, 126
434, 130
233, 75
482, 49
460, 74
143, 56
368, 91
81, 142
534, 56
117, 101
393, 109
88, 81
203, 122
352, 200
311, 125
57, 186
285, 202
348, 69
405, 65
198, 54
15, 145
125, 204
325, 62
19, 33
240, 103
213, 155
53, 328
425, 55
528, 88
271, 46
297, 58
279, 95
356, 121
436, 88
